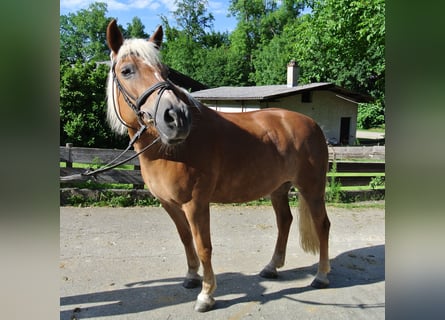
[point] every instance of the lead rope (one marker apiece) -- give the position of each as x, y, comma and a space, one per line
113, 163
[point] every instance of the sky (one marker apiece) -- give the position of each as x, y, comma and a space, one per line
149, 12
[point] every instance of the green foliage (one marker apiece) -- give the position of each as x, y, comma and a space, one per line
135, 29
192, 18
272, 58
258, 23
343, 38
108, 198
333, 193
341, 41
377, 182
83, 79
82, 35
370, 115
190, 49
83, 106
215, 67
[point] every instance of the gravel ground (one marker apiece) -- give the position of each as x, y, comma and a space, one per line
128, 263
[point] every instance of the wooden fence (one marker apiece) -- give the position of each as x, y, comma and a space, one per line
367, 162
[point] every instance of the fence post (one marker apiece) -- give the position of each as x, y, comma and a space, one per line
138, 186
69, 163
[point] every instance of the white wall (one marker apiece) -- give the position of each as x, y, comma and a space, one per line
232, 106
327, 108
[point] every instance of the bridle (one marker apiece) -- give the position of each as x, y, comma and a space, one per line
136, 103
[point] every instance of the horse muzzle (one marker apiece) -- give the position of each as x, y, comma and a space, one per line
173, 122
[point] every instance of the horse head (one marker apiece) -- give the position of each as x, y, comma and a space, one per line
139, 92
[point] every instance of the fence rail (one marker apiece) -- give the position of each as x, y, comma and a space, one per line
348, 160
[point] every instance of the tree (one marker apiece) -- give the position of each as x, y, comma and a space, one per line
135, 29
343, 41
259, 22
191, 16
83, 78
82, 35
82, 114
193, 48
271, 59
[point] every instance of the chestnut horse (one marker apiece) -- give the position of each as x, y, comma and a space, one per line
192, 155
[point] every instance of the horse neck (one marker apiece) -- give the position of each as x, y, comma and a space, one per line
147, 138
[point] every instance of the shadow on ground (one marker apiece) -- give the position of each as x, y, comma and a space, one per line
358, 267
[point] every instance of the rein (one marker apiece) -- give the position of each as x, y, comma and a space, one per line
113, 164
136, 107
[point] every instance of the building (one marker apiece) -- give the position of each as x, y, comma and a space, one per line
333, 107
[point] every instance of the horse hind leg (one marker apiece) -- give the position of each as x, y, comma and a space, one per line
280, 203
314, 228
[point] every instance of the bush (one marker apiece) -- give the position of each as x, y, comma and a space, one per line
334, 193
370, 115
83, 107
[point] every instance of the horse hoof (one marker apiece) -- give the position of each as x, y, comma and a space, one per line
317, 284
191, 283
204, 304
268, 274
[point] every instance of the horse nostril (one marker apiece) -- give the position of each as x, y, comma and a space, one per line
170, 117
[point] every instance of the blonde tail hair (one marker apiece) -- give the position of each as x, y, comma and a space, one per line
308, 236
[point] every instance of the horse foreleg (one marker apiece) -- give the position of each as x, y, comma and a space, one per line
280, 203
192, 278
199, 220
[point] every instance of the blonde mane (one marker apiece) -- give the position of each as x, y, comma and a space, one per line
149, 53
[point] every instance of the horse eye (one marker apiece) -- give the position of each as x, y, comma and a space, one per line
127, 71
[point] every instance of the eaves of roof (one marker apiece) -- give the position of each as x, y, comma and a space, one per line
271, 92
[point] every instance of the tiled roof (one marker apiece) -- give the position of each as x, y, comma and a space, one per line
273, 92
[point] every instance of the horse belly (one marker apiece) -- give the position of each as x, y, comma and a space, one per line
243, 193
249, 185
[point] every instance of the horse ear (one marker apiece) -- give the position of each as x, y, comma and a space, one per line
114, 36
156, 37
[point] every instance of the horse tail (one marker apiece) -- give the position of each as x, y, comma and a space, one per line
308, 235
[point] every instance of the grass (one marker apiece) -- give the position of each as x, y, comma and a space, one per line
356, 174
90, 184
95, 166
377, 204
380, 204
109, 199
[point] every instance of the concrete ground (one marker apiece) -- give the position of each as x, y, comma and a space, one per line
366, 134
128, 263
